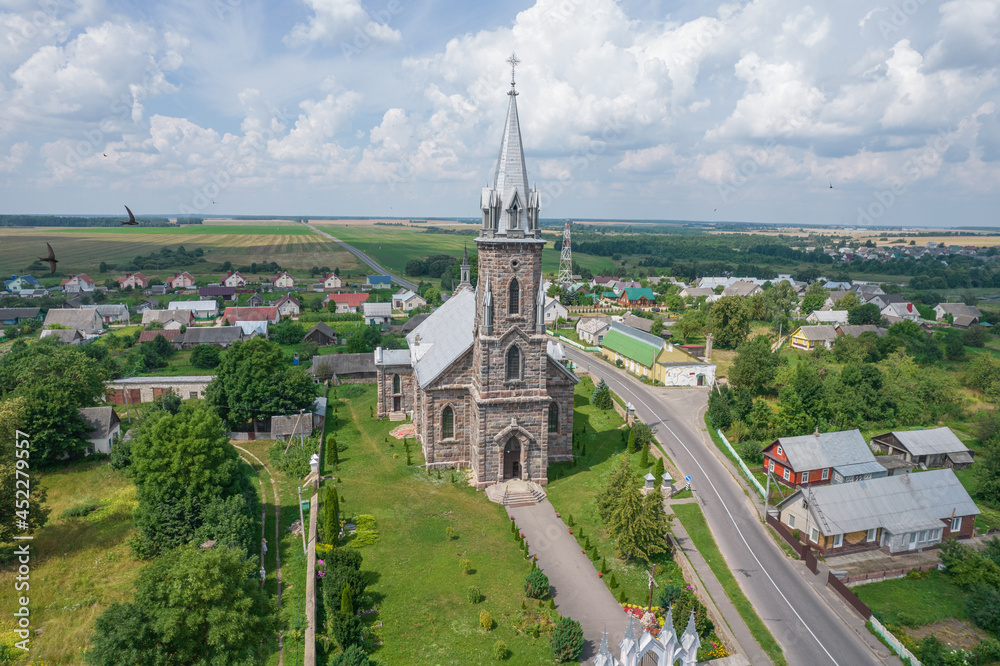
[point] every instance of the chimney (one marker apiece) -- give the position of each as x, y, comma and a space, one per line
670, 347
416, 341
909, 307
816, 434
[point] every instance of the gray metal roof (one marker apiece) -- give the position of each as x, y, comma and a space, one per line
86, 320
198, 335
854, 330
839, 316
101, 420
392, 356
929, 442
827, 449
414, 321
818, 332
642, 336
593, 325
345, 364
860, 468
377, 309
182, 379
443, 336
641, 323
903, 503
18, 313
959, 309
63, 335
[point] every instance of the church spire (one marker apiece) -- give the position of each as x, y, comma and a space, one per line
510, 205
466, 271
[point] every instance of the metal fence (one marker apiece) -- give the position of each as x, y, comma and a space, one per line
893, 642
849, 596
743, 465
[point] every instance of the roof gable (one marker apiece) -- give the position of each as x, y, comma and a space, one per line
828, 449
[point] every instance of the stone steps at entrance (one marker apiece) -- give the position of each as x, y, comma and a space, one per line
515, 492
397, 416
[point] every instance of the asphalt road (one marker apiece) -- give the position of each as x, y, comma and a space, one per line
365, 258
791, 601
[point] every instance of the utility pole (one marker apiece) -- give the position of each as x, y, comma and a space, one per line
302, 521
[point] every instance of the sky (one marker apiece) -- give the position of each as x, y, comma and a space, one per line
775, 111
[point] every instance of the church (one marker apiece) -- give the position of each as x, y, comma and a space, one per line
484, 387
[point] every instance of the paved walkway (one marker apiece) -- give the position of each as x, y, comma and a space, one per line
577, 590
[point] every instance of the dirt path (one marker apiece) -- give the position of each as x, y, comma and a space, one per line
277, 538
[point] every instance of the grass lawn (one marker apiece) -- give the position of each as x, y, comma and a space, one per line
79, 566
914, 602
693, 520
417, 582
572, 490
571, 334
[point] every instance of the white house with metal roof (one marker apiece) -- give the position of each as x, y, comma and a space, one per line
201, 309
377, 313
895, 513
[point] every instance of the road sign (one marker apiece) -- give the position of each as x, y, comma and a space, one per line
687, 478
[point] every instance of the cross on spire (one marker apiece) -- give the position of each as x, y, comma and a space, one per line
513, 61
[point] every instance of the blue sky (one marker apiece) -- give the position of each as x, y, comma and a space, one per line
635, 109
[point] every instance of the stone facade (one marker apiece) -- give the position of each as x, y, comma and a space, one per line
502, 406
133, 390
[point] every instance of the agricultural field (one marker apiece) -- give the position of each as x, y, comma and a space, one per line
393, 246
79, 250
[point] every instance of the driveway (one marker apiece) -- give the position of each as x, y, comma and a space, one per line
577, 590
812, 625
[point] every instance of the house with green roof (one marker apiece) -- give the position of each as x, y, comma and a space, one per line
637, 297
650, 357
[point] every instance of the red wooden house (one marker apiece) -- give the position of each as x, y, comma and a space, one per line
821, 458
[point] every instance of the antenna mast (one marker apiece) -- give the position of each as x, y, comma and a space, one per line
565, 259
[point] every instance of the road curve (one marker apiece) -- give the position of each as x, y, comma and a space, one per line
795, 606
365, 258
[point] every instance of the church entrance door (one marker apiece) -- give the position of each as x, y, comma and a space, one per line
512, 459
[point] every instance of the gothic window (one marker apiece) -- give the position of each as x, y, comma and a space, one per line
515, 298
553, 417
514, 363
447, 423
396, 384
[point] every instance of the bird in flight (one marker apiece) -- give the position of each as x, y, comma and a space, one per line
51, 259
831, 185
131, 218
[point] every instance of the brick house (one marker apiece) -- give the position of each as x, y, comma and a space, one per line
283, 281
288, 306
331, 281
346, 302
181, 281
78, 284
133, 281
234, 279
134, 390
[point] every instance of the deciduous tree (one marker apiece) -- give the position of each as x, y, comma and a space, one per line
730, 321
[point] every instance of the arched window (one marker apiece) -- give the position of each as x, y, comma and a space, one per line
447, 423
396, 384
515, 297
553, 417
514, 363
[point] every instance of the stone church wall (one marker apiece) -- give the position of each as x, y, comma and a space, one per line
384, 377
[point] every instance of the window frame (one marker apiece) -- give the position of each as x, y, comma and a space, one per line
805, 477
838, 540
956, 524
825, 476
444, 431
871, 535
814, 535
513, 349
553, 417
514, 297
786, 474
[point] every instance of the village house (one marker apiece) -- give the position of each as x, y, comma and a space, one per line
69, 337
331, 281
201, 309
827, 317
220, 336
288, 306
283, 281
255, 300
641, 323
378, 314
834, 296
592, 329
821, 458
181, 281
407, 300
133, 281
111, 313
88, 322
554, 310
895, 312
234, 279
170, 335
637, 298
650, 357
156, 290
150, 303
18, 283
355, 368
969, 314
322, 335
854, 330
897, 514
937, 447
105, 428
696, 292
742, 288
171, 319
379, 282
265, 313
808, 338
346, 302
136, 390
15, 316
78, 284
252, 328
217, 291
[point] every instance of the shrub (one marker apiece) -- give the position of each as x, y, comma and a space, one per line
78, 511
612, 582
500, 651
569, 520
983, 607
536, 584
475, 596
601, 397
465, 566
449, 532
354, 656
567, 640
206, 356
552, 604
485, 620
668, 593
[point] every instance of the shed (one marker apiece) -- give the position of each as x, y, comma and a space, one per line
937, 447
345, 366
322, 335
105, 426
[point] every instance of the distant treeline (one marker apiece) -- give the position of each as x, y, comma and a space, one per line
453, 232
57, 221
